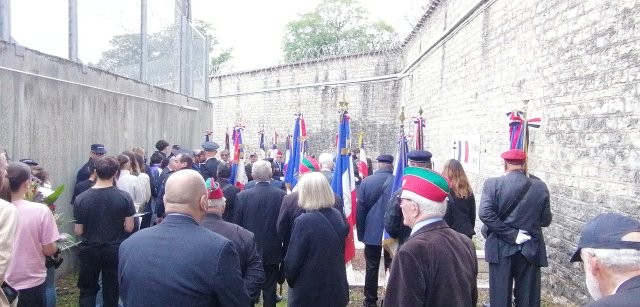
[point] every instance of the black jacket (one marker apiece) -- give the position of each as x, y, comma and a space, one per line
250, 260
461, 214
314, 264
257, 210
626, 296
210, 169
290, 210
393, 220
230, 192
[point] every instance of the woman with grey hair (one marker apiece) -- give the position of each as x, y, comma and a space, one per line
314, 263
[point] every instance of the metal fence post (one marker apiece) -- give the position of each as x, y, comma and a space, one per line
144, 39
73, 30
207, 46
5, 20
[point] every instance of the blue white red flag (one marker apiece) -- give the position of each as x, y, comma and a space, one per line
292, 166
388, 243
344, 184
519, 129
238, 176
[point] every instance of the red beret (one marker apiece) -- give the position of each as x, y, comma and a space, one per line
515, 155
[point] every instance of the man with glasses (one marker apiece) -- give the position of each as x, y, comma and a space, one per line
97, 151
224, 155
178, 162
436, 266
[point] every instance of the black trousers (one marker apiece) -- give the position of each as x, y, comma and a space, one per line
271, 273
93, 261
512, 269
32, 297
372, 256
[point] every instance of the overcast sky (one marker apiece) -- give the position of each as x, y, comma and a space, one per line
253, 28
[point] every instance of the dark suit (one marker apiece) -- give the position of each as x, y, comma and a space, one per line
372, 201
274, 183
178, 263
627, 295
393, 220
507, 260
83, 173
250, 261
436, 266
314, 264
209, 168
257, 210
230, 191
162, 180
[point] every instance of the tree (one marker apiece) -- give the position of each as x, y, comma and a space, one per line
335, 27
162, 47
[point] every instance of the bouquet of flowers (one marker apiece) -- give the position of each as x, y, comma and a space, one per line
44, 194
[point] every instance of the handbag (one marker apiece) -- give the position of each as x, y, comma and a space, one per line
9, 292
512, 206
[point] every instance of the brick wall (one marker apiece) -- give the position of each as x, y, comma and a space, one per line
576, 62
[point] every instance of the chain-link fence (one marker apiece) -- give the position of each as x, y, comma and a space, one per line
150, 41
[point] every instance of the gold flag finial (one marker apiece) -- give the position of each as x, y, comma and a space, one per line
420, 111
402, 117
344, 105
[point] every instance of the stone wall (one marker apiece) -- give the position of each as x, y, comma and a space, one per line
575, 62
249, 98
54, 109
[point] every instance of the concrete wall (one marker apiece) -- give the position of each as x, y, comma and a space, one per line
54, 109
576, 62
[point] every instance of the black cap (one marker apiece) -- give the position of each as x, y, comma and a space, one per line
385, 158
99, 149
28, 161
421, 156
605, 231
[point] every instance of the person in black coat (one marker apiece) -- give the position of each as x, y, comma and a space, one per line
209, 168
314, 264
250, 260
230, 191
515, 248
257, 210
461, 206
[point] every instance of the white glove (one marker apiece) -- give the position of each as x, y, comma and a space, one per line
523, 236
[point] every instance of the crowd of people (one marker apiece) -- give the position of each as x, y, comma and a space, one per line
177, 230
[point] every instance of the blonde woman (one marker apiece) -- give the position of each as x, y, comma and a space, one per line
314, 263
461, 208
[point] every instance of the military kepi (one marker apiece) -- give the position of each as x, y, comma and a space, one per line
424, 183
385, 158
420, 156
514, 156
210, 146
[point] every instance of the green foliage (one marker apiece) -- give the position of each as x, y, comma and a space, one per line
161, 46
335, 27
49, 200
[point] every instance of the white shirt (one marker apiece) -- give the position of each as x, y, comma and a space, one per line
131, 184
423, 223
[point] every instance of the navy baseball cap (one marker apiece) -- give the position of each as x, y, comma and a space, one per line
30, 162
606, 231
385, 158
99, 149
419, 156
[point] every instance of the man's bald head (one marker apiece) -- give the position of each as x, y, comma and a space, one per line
184, 192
